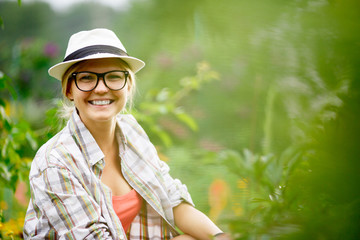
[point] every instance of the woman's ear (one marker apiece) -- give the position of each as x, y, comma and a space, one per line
69, 95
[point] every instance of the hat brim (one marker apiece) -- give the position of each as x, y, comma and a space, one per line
57, 71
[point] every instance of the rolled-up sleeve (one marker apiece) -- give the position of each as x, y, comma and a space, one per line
61, 207
177, 191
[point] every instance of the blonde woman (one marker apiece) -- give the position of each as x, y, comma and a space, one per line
100, 177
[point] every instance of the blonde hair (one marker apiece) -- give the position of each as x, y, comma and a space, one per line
68, 105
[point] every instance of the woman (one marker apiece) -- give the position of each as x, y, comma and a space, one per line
100, 177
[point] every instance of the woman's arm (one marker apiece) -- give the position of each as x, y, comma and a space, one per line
194, 223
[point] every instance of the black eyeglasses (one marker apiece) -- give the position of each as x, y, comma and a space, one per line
88, 81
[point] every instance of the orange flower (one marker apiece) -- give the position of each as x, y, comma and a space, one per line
218, 197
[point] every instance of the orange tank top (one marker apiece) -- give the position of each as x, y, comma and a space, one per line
127, 207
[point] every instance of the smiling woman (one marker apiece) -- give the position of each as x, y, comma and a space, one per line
100, 177
101, 94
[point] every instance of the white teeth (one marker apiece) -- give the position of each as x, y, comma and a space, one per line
100, 102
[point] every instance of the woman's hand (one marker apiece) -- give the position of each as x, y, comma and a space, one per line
196, 225
223, 236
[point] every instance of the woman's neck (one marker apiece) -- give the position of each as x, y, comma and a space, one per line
104, 134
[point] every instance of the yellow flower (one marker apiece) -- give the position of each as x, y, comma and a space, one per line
12, 227
238, 210
7, 108
242, 183
4, 205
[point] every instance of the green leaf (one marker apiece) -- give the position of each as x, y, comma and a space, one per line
4, 148
2, 103
1, 23
163, 95
7, 125
189, 121
19, 2
259, 200
2, 79
13, 155
162, 135
6, 83
4, 172
31, 140
233, 161
13, 181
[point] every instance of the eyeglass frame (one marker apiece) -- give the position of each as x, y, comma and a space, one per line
102, 75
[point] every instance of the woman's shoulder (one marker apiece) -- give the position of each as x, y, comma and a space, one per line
129, 125
49, 153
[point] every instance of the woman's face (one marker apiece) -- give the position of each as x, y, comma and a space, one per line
100, 105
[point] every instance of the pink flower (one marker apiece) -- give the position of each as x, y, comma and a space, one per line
51, 50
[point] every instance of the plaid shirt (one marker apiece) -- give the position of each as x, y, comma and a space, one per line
69, 201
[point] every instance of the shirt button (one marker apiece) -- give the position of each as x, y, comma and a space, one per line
122, 237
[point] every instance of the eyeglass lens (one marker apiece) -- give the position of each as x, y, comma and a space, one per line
87, 81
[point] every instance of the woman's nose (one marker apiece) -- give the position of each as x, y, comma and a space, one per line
101, 87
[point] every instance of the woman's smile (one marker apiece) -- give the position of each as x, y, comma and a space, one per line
100, 104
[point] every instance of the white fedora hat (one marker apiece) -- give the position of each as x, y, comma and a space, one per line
94, 44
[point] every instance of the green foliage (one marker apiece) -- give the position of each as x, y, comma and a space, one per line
18, 143
276, 115
1, 20
267, 207
16, 140
159, 104
5, 84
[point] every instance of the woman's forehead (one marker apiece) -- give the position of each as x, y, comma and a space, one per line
102, 63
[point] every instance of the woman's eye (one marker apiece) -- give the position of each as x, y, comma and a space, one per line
88, 77
114, 77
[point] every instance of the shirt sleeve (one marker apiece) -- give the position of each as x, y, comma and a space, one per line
62, 208
176, 191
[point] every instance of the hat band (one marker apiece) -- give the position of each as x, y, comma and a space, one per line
90, 50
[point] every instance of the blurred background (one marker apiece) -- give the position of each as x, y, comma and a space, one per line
253, 104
